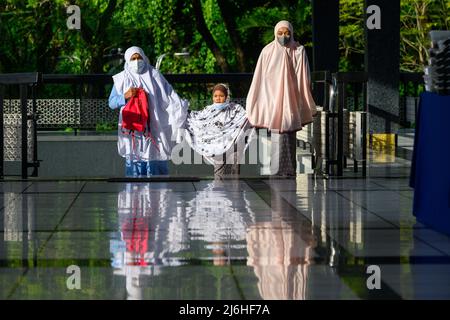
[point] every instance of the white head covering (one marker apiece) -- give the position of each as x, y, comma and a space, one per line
127, 79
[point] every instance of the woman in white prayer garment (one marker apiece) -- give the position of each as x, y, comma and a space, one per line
220, 132
167, 112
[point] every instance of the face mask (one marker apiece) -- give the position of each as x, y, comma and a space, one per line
220, 106
137, 66
283, 40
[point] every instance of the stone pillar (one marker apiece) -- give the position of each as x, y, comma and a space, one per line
382, 63
325, 28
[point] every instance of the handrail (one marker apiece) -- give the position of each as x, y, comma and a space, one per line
179, 78
316, 76
20, 78
24, 80
342, 79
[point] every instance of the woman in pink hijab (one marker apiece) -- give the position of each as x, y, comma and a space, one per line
280, 96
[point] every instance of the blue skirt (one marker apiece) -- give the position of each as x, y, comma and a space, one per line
146, 168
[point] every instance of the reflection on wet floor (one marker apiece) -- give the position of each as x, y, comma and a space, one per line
234, 239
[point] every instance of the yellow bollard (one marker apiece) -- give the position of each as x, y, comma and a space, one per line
383, 147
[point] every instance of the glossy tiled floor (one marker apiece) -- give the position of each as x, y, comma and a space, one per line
248, 239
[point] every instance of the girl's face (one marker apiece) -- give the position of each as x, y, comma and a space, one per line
219, 96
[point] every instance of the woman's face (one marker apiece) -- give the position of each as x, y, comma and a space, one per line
283, 31
219, 96
136, 56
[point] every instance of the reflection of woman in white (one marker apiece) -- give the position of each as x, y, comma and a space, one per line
152, 231
280, 96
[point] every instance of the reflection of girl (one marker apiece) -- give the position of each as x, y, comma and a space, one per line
279, 97
167, 113
216, 215
219, 219
216, 130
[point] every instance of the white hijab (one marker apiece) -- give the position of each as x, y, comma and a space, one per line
127, 78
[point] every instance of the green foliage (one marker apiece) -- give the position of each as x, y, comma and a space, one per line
264, 18
417, 19
35, 36
351, 35
158, 26
106, 127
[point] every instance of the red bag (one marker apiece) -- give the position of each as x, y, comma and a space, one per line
135, 114
136, 118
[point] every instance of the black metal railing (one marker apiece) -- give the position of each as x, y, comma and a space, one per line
321, 83
350, 93
27, 83
194, 87
354, 85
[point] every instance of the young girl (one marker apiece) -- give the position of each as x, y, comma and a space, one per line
215, 131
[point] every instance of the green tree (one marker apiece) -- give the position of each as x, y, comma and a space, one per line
351, 35
418, 18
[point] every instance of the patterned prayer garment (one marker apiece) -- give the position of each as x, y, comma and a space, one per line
215, 133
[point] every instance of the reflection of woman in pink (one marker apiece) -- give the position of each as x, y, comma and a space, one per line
280, 253
280, 96
280, 259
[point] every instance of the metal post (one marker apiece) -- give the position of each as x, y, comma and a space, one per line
364, 143
355, 97
77, 116
403, 106
325, 36
364, 129
329, 109
340, 127
2, 159
327, 142
25, 231
24, 145
326, 91
34, 119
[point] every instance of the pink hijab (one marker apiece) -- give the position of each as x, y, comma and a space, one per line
280, 96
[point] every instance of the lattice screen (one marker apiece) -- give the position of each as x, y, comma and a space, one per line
13, 138
80, 114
